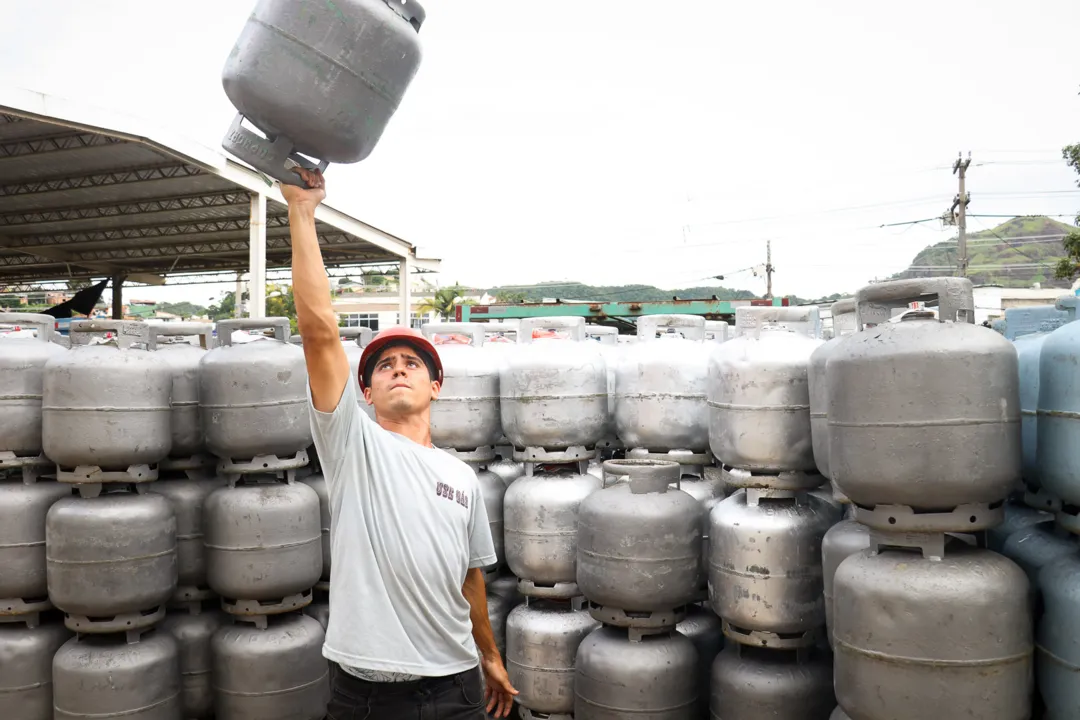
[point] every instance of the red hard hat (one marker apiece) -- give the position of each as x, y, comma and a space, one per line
401, 335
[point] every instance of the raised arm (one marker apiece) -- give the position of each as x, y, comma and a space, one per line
327, 366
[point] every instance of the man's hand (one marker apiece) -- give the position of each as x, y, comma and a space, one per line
498, 691
309, 197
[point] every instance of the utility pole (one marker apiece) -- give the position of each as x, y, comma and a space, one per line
958, 212
768, 270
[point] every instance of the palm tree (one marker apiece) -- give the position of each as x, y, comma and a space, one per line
443, 302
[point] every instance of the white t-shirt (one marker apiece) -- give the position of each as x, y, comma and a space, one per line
407, 522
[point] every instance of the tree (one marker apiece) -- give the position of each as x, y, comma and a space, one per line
511, 296
280, 303
1069, 266
226, 308
444, 300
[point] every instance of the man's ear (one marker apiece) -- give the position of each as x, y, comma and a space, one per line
436, 388
367, 395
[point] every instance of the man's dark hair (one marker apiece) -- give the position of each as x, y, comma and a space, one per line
429, 362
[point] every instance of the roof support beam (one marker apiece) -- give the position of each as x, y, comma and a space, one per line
105, 268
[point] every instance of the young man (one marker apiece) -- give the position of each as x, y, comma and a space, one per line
409, 528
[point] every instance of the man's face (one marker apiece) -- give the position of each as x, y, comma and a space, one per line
400, 383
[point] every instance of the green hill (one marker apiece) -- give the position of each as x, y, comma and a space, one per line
991, 258
580, 291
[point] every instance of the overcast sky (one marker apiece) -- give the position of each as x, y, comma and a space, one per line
625, 142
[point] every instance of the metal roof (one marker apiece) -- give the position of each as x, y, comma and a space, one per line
87, 193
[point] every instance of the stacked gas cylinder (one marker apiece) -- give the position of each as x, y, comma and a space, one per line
266, 528
923, 437
764, 563
466, 422
1039, 532
554, 407
30, 634
138, 554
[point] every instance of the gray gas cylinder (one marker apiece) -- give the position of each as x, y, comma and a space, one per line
106, 676
639, 542
661, 668
26, 666
466, 415
272, 672
264, 541
122, 579
187, 497
317, 482
554, 389
542, 639
752, 683
193, 628
321, 80
22, 365
958, 641
122, 375
183, 357
661, 386
540, 515
23, 508
253, 395
943, 429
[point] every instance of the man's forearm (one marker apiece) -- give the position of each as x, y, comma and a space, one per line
476, 594
311, 289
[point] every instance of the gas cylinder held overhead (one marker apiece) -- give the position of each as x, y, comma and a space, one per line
184, 357
253, 399
639, 546
661, 386
938, 448
320, 80
466, 415
554, 392
121, 376
22, 366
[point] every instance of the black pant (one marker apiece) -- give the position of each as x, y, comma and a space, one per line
453, 697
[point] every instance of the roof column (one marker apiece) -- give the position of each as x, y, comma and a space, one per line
257, 257
404, 291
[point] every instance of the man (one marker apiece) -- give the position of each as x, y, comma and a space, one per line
409, 528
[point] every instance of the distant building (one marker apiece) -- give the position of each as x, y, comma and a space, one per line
376, 306
991, 301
